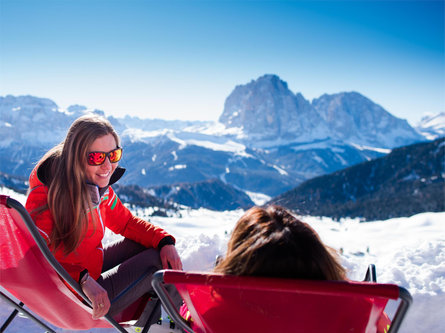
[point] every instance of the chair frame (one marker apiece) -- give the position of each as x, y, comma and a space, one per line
161, 277
63, 274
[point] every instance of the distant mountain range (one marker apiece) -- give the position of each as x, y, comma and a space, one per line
268, 140
212, 194
407, 181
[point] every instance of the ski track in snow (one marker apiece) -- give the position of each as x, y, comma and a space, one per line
407, 251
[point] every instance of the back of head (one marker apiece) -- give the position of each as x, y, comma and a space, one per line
271, 242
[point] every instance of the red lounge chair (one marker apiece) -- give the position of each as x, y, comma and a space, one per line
30, 273
222, 303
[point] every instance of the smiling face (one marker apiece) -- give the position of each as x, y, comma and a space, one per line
101, 174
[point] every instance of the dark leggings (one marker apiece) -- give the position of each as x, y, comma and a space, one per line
129, 263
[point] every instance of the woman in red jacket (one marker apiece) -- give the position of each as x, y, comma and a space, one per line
71, 201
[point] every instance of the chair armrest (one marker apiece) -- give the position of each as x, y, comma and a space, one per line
404, 296
158, 285
371, 275
405, 301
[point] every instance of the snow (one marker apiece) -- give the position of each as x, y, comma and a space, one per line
317, 158
407, 251
280, 170
191, 136
175, 156
229, 146
136, 134
177, 167
341, 159
436, 121
432, 126
17, 196
362, 147
258, 198
210, 142
324, 144
216, 129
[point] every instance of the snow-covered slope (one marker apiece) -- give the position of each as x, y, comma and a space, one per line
406, 251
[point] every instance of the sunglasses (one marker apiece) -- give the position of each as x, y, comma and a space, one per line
98, 157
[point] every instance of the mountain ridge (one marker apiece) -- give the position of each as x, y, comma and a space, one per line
264, 159
407, 181
266, 109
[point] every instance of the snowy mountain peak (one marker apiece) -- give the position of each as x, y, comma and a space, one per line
26, 104
432, 126
271, 80
267, 110
355, 118
33, 120
269, 113
36, 120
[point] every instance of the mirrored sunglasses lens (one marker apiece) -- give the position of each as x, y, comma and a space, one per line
96, 158
115, 155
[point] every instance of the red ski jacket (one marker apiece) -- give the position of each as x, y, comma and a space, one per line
109, 212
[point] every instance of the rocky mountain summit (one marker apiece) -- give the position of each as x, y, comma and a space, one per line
351, 117
267, 111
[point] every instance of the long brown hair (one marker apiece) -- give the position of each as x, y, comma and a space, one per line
271, 242
68, 198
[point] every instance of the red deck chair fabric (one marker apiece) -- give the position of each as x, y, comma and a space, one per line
27, 275
221, 303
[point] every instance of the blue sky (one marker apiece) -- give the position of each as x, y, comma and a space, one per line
181, 59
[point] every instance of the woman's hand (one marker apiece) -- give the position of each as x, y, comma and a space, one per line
169, 255
98, 297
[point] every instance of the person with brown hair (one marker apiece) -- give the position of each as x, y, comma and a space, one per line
271, 242
71, 201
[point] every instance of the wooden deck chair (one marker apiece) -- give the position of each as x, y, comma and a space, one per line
223, 303
31, 274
